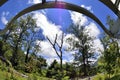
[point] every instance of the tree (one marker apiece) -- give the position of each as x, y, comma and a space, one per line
70, 70
110, 55
30, 38
35, 64
41, 63
81, 42
110, 58
20, 29
5, 49
58, 49
53, 70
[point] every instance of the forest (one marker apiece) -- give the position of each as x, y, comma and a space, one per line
20, 51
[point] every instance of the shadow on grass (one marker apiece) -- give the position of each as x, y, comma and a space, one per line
116, 77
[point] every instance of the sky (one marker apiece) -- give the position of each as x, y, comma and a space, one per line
56, 21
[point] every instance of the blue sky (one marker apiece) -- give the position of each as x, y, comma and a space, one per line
58, 20
15, 6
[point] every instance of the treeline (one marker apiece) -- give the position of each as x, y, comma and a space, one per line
19, 48
20, 45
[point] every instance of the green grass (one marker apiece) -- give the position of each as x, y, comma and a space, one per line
99, 77
4, 75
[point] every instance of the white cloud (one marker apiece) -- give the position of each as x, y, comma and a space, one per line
47, 49
98, 46
3, 18
87, 7
50, 30
34, 1
91, 27
78, 18
93, 30
113, 1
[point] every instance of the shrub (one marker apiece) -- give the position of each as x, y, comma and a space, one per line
7, 76
116, 77
35, 77
12, 77
99, 77
65, 78
29, 78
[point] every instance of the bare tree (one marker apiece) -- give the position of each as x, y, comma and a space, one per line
58, 48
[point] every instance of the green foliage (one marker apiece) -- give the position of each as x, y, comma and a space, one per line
65, 78
99, 77
68, 72
109, 61
54, 71
115, 77
105, 77
4, 75
12, 77
82, 43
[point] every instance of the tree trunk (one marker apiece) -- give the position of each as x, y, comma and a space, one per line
26, 57
14, 58
84, 63
61, 63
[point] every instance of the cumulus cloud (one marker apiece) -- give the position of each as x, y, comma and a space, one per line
78, 19
3, 18
91, 27
98, 46
34, 1
113, 1
47, 49
89, 8
50, 30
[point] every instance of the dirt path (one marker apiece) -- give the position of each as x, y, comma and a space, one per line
87, 78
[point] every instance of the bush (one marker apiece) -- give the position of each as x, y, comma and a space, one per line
65, 78
116, 77
99, 77
7, 76
35, 77
12, 77
29, 78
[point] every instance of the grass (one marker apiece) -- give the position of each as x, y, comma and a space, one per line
5, 75
99, 77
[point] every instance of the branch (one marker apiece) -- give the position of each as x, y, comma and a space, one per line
53, 45
62, 40
60, 46
49, 41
